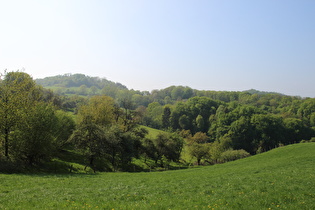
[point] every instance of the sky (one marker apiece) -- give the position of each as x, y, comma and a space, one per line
231, 45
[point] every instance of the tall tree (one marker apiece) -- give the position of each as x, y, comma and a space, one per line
93, 121
268, 130
17, 93
166, 117
154, 115
184, 122
241, 134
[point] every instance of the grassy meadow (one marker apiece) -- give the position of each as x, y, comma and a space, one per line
283, 178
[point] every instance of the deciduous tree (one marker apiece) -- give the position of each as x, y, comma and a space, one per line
17, 93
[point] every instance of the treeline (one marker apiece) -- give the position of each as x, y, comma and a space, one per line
203, 127
241, 126
252, 120
81, 85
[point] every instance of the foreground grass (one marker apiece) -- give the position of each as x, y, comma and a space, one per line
283, 178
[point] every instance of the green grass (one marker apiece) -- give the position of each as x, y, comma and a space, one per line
283, 178
152, 132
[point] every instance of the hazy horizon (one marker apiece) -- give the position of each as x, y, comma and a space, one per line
163, 87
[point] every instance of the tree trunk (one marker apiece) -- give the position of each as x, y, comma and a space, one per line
92, 162
6, 143
113, 160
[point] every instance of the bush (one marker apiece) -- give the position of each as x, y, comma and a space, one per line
306, 141
231, 155
8, 166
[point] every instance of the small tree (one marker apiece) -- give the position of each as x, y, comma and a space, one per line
199, 151
198, 146
169, 145
90, 139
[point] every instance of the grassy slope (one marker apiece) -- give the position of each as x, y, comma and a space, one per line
152, 131
283, 178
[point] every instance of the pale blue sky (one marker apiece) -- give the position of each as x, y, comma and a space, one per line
234, 45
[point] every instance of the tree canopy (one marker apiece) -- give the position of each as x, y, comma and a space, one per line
101, 120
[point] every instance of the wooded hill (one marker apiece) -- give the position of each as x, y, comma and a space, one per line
81, 84
101, 121
232, 115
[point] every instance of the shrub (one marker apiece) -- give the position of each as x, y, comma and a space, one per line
306, 141
8, 166
231, 155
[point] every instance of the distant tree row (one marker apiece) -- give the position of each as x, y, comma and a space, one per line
252, 128
79, 84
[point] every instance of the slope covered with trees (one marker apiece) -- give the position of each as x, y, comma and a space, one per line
203, 127
252, 120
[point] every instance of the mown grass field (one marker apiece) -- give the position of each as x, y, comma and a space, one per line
283, 178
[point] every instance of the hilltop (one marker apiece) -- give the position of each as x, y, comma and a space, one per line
94, 85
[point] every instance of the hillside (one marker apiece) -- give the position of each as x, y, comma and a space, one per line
80, 84
281, 178
252, 120
76, 80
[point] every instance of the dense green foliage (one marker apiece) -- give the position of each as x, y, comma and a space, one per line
282, 178
31, 130
87, 85
100, 120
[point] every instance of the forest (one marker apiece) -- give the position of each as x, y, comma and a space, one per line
108, 124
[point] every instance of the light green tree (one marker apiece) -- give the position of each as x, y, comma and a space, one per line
65, 126
93, 119
99, 109
200, 123
17, 94
198, 146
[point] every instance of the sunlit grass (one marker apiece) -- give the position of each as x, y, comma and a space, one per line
152, 132
283, 178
